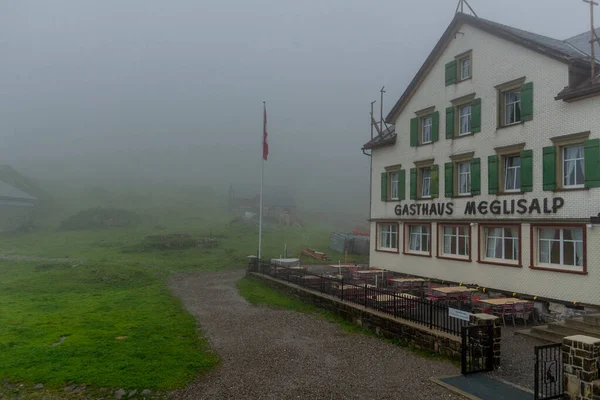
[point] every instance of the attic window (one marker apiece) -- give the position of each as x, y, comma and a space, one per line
464, 67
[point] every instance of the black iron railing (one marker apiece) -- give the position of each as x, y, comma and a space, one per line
413, 308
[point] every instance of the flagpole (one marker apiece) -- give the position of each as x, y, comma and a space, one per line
262, 179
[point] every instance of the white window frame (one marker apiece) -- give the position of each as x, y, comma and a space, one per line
516, 245
517, 170
419, 233
564, 161
466, 107
454, 232
425, 183
462, 62
388, 236
394, 183
507, 107
426, 129
562, 243
461, 176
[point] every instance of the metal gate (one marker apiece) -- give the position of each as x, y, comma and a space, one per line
548, 372
477, 349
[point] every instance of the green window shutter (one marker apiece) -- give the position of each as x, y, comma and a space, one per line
435, 181
549, 167
384, 179
493, 174
401, 185
413, 183
414, 132
451, 73
449, 122
475, 176
592, 162
435, 126
449, 179
476, 116
526, 170
527, 101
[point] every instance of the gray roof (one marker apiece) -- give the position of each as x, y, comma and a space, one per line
272, 195
387, 137
9, 192
582, 43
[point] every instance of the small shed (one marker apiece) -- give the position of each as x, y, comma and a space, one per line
16, 207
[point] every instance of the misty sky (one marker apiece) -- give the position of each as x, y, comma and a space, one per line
175, 88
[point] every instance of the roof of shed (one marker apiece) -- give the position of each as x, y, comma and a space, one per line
12, 193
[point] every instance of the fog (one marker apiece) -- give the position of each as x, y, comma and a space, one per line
174, 90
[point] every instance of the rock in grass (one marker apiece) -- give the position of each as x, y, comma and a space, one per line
146, 392
70, 388
119, 393
38, 386
132, 393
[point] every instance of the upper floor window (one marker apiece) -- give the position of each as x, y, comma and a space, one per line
426, 182
464, 120
573, 171
464, 67
515, 102
392, 183
464, 178
512, 173
426, 129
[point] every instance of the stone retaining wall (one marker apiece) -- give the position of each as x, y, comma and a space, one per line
383, 325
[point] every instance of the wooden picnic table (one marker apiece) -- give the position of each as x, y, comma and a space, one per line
454, 290
369, 271
502, 301
343, 266
407, 280
298, 268
390, 297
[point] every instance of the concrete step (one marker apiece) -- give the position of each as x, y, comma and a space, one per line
592, 319
545, 335
569, 330
581, 324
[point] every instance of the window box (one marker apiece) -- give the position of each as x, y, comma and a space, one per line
417, 239
386, 239
500, 244
454, 241
560, 248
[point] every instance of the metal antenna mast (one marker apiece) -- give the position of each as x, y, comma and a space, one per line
593, 37
460, 7
381, 109
371, 119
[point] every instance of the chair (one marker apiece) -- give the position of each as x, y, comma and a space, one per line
524, 311
507, 310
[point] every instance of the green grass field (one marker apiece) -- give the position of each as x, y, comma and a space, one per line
110, 301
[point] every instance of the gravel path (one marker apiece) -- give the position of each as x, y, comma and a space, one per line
518, 358
279, 354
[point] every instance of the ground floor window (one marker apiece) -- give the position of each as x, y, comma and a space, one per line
388, 237
561, 247
419, 239
501, 244
455, 240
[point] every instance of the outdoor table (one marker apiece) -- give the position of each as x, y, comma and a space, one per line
369, 271
502, 301
310, 277
453, 290
407, 280
298, 268
390, 297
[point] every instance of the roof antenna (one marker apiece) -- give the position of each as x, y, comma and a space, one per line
371, 121
381, 109
461, 6
593, 37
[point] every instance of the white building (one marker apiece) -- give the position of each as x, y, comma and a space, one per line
492, 172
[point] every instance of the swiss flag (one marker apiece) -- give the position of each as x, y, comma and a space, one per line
265, 144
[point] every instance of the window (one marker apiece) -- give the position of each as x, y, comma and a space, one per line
388, 236
426, 129
501, 243
561, 247
464, 68
573, 166
426, 183
394, 185
419, 238
455, 240
512, 107
464, 178
464, 120
512, 174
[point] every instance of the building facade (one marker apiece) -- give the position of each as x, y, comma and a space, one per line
492, 174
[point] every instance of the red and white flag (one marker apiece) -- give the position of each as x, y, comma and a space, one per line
265, 144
